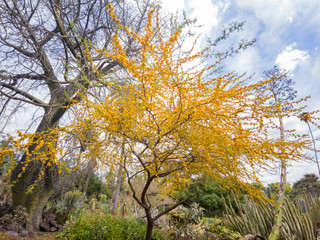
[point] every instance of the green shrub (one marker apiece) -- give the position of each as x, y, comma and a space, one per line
217, 229
209, 196
96, 186
90, 226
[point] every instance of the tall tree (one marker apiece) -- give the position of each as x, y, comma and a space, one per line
44, 63
281, 92
176, 122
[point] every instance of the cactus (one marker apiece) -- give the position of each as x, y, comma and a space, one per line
300, 218
254, 217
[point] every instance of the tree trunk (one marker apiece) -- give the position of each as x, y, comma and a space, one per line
117, 192
91, 166
276, 229
150, 225
35, 200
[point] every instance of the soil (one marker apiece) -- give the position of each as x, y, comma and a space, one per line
38, 236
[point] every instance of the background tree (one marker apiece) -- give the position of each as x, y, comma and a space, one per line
309, 183
281, 92
210, 197
44, 63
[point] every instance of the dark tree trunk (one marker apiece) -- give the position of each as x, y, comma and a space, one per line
150, 225
35, 200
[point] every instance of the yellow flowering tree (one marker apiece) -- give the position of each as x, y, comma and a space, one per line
174, 121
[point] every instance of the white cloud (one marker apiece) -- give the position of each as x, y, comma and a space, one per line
246, 61
289, 58
205, 12
173, 6
277, 13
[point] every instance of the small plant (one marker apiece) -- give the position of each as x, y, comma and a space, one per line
70, 202
217, 230
186, 222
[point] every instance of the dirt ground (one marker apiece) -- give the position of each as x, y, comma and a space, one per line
38, 236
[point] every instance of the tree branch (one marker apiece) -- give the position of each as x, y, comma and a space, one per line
33, 99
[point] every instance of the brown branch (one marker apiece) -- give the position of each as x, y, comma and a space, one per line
22, 75
134, 195
33, 99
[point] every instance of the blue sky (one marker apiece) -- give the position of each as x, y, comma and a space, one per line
287, 33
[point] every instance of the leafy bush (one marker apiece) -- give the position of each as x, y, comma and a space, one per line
209, 196
216, 229
90, 226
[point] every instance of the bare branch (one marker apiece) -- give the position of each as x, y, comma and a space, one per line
33, 99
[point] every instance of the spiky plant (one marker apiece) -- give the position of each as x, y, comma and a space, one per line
300, 218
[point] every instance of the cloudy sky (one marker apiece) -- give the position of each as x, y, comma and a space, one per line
287, 33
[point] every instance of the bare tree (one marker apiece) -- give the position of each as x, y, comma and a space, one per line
44, 48
281, 91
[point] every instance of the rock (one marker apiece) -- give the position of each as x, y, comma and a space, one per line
49, 223
13, 227
24, 233
12, 233
52, 223
53, 229
45, 226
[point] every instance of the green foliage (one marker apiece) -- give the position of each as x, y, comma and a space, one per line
70, 201
96, 187
68, 204
274, 190
209, 197
217, 230
90, 226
